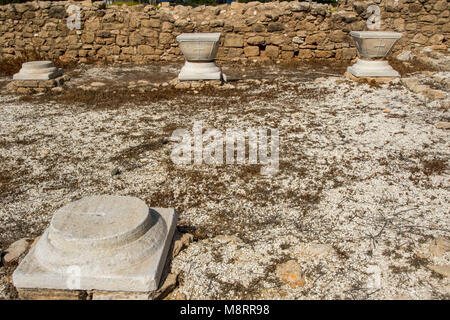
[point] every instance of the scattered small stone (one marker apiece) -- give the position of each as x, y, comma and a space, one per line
434, 94
228, 239
197, 84
291, 274
167, 287
439, 246
16, 251
57, 89
183, 85
181, 241
442, 270
115, 172
320, 80
405, 56
180, 296
387, 110
97, 84
443, 125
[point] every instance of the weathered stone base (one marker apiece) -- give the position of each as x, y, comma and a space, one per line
350, 76
36, 86
372, 69
200, 71
169, 284
51, 294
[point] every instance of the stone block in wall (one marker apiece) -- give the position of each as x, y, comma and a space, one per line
305, 54
272, 51
145, 50
251, 51
287, 55
436, 39
128, 50
234, 41
256, 40
277, 39
305, 26
235, 52
420, 38
258, 27
166, 26
392, 6
57, 12
87, 37
349, 53
428, 18
136, 38
151, 23
165, 38
275, 26
122, 40
323, 54
440, 5
92, 25
317, 38
446, 28
298, 6
338, 36
411, 27
415, 7
216, 23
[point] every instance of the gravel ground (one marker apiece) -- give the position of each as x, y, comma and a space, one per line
362, 188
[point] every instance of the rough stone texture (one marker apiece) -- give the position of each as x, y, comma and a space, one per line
36, 86
291, 273
284, 30
117, 244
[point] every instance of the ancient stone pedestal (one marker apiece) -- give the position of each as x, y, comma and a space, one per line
38, 70
200, 50
372, 69
109, 243
373, 47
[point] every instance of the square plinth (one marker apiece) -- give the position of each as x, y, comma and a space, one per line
32, 273
38, 76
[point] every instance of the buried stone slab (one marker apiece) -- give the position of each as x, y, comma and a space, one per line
37, 86
109, 243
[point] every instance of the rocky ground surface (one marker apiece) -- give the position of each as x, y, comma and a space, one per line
358, 209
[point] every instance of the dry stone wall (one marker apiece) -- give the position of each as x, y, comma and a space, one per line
252, 31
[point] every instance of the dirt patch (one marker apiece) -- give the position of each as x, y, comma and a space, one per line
407, 68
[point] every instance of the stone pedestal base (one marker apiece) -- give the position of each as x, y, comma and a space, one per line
378, 80
372, 69
36, 86
200, 71
38, 70
103, 243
